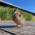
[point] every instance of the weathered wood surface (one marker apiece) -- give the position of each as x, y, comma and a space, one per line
28, 29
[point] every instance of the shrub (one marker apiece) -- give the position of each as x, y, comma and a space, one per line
6, 13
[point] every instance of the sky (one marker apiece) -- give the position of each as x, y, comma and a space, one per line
23, 4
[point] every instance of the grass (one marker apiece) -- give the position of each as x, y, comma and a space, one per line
33, 19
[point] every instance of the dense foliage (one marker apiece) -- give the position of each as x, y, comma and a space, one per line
6, 13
